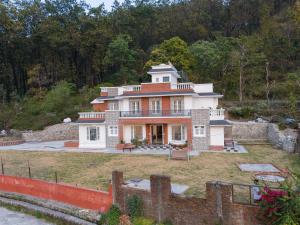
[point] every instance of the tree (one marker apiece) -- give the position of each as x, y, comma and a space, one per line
174, 50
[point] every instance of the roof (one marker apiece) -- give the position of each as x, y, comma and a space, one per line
128, 94
90, 121
219, 123
105, 97
162, 70
204, 94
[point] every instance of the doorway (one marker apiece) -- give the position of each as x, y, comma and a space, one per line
157, 134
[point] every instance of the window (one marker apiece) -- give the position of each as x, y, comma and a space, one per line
155, 105
93, 133
113, 131
199, 131
178, 133
177, 105
135, 106
137, 132
166, 79
113, 106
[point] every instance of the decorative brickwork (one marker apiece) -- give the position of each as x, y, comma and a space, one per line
111, 119
160, 204
201, 117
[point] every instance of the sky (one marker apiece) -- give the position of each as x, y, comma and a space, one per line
107, 3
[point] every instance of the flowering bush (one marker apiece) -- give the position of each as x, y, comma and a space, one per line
281, 207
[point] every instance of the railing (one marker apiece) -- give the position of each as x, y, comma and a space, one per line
154, 113
217, 114
92, 115
181, 86
132, 88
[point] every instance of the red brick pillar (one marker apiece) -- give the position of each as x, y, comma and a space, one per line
160, 195
219, 201
117, 192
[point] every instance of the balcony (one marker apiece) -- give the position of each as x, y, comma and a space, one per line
161, 113
216, 114
92, 115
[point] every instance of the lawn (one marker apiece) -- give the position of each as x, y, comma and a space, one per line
94, 169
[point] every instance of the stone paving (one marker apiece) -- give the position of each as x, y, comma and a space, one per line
16, 218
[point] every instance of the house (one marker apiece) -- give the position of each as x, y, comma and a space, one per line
161, 112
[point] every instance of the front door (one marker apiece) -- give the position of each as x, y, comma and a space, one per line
157, 134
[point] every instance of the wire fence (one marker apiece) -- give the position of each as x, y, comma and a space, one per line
247, 193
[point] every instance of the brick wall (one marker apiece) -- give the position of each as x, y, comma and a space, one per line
100, 107
160, 204
81, 197
155, 87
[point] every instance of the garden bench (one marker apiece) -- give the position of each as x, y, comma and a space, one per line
128, 147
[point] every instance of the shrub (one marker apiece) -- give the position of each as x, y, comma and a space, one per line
281, 207
134, 206
112, 217
242, 112
142, 221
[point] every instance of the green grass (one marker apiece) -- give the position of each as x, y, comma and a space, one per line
93, 170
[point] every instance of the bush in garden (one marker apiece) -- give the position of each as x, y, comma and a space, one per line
112, 217
134, 206
281, 207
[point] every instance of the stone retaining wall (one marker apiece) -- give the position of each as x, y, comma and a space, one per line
62, 131
249, 131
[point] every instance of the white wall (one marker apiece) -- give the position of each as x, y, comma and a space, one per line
188, 102
124, 104
206, 102
84, 143
203, 88
217, 136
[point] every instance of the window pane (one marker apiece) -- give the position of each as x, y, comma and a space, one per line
166, 79
93, 134
176, 133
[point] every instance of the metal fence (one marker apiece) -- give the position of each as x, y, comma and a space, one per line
244, 193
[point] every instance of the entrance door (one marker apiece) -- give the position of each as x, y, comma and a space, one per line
157, 134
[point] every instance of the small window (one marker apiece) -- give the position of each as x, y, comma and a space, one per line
166, 79
113, 131
114, 106
93, 133
199, 131
178, 133
157, 80
137, 132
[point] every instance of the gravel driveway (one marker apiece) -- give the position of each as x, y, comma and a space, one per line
16, 218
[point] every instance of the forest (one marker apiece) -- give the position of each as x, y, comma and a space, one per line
54, 54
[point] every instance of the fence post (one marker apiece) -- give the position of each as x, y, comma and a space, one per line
29, 172
2, 166
55, 173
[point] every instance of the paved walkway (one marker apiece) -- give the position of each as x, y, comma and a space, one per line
16, 218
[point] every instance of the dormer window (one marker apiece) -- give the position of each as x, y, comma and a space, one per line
166, 79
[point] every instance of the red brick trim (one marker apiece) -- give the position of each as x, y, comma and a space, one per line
8, 143
71, 144
216, 147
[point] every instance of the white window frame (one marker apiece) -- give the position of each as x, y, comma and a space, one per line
135, 106
113, 131
113, 106
133, 132
97, 134
164, 78
155, 105
199, 131
178, 105
182, 131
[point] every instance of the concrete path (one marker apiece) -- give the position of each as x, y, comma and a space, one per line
16, 218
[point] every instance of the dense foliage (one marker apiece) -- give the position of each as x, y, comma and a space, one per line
250, 49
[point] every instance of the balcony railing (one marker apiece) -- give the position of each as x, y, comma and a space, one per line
160, 113
92, 115
132, 88
217, 114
